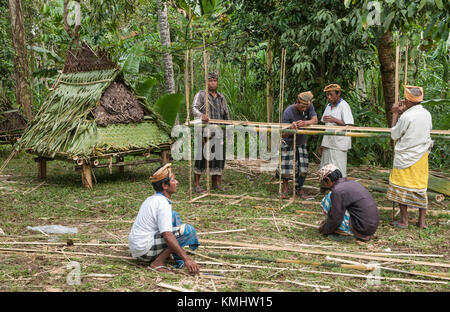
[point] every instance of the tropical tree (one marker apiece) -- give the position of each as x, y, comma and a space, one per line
21, 69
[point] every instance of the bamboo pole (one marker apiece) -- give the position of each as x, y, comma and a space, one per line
360, 267
321, 252
406, 64
208, 187
323, 130
295, 168
188, 119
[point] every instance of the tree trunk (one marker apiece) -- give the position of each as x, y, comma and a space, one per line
387, 62
164, 31
21, 70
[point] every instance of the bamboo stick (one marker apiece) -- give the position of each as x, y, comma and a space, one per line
65, 253
360, 267
329, 273
188, 119
320, 252
176, 288
208, 187
221, 232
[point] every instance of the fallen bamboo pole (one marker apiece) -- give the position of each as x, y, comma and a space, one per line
445, 276
329, 253
327, 273
176, 288
360, 267
220, 232
66, 253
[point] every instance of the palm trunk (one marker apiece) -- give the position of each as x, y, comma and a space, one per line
21, 70
387, 62
164, 31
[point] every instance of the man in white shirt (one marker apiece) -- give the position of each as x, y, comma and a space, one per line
158, 231
408, 181
333, 149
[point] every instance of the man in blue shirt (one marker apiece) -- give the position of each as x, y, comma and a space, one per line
300, 114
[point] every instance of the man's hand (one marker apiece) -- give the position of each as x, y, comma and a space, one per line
205, 118
300, 123
192, 266
329, 118
399, 108
293, 125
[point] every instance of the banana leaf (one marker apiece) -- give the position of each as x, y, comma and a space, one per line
168, 106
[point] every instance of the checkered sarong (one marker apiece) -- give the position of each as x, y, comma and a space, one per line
410, 197
287, 163
185, 235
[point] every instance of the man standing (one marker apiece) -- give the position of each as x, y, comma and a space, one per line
408, 180
218, 109
300, 114
349, 207
334, 148
158, 231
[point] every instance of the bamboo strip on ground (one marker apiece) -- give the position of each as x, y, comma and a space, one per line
329, 253
176, 288
65, 253
327, 273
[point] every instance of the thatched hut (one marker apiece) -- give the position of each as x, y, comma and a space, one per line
93, 114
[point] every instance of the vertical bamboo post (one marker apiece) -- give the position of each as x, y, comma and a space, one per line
280, 109
208, 187
188, 119
406, 64
397, 57
295, 168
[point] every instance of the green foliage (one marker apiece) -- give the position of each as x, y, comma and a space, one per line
168, 106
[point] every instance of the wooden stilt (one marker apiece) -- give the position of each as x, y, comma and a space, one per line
121, 168
294, 169
86, 176
42, 167
165, 157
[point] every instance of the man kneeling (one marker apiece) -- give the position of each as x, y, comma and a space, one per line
349, 207
158, 231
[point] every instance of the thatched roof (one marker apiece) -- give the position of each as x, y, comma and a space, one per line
93, 112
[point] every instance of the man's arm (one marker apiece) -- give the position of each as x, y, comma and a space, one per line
335, 215
172, 243
198, 105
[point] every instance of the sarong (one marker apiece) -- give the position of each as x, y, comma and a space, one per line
216, 166
185, 235
326, 206
409, 186
335, 157
287, 164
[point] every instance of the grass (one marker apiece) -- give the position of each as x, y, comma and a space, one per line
105, 215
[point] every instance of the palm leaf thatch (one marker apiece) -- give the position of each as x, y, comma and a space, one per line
65, 125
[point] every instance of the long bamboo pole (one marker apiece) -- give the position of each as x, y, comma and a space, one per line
321, 130
328, 253
208, 187
360, 267
188, 119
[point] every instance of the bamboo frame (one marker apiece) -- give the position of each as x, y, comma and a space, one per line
208, 156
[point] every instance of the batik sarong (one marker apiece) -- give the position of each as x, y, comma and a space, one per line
326, 206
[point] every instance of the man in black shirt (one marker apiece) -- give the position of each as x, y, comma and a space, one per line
349, 206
